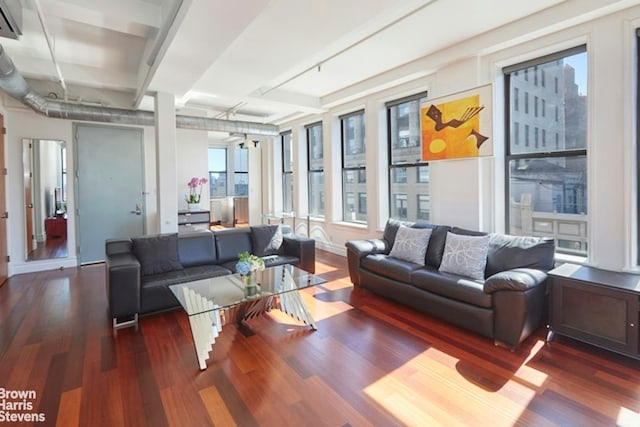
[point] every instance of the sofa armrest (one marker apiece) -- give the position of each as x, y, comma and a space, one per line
123, 282
303, 248
519, 304
517, 279
358, 249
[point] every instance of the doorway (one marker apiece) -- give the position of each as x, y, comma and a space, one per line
110, 187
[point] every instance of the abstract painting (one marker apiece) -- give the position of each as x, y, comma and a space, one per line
457, 125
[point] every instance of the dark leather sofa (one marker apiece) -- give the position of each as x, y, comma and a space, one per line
140, 270
507, 306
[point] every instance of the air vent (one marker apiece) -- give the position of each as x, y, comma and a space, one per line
10, 18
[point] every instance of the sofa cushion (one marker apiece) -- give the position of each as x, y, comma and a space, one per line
410, 244
387, 266
465, 255
231, 242
266, 240
436, 245
157, 254
391, 229
452, 286
197, 248
509, 252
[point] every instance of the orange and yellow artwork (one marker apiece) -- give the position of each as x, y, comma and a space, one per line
451, 129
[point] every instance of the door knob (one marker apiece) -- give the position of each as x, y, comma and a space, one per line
138, 211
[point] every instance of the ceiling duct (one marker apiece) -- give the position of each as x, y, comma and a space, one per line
10, 18
12, 82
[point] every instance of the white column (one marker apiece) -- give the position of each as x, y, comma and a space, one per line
166, 166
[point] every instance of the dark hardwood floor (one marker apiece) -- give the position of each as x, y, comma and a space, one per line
51, 248
371, 362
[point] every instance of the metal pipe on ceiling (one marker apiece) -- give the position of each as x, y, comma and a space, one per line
14, 84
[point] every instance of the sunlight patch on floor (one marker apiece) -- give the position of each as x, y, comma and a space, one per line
432, 384
628, 417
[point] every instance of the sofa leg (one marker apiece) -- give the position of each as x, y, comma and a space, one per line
126, 324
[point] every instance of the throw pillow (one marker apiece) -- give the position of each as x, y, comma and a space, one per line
266, 240
410, 244
157, 254
465, 255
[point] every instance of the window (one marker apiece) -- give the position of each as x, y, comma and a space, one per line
408, 174
399, 206
217, 172
241, 172
354, 179
423, 207
362, 203
547, 190
423, 174
287, 172
315, 157
399, 175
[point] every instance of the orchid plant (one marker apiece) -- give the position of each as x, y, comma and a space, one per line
195, 189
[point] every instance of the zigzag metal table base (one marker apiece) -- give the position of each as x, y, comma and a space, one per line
206, 326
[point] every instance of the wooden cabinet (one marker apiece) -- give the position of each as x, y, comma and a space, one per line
193, 220
595, 306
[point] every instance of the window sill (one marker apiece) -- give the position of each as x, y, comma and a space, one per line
571, 259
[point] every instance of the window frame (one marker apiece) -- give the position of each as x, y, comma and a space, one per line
311, 172
225, 172
356, 170
287, 173
419, 97
543, 151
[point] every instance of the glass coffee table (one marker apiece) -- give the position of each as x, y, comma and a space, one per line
214, 302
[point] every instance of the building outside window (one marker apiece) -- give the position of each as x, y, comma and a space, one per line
241, 172
287, 172
547, 190
408, 174
217, 172
353, 165
315, 158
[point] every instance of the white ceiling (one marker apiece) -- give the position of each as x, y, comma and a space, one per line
258, 60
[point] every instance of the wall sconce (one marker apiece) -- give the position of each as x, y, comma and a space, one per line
241, 145
255, 143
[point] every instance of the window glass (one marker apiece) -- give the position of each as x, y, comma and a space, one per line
316, 169
408, 174
217, 172
354, 177
287, 173
547, 175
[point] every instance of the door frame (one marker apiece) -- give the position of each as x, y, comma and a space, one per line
4, 214
76, 189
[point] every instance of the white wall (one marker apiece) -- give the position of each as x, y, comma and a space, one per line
470, 192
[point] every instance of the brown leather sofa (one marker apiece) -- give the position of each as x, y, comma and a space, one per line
507, 305
140, 270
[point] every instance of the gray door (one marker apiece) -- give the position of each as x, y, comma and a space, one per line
110, 186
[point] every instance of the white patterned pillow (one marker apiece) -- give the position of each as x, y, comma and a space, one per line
411, 244
465, 255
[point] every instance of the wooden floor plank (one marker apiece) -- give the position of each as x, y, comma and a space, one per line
370, 362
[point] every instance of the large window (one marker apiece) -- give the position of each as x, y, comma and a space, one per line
408, 174
316, 169
241, 172
217, 172
353, 167
547, 183
287, 172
